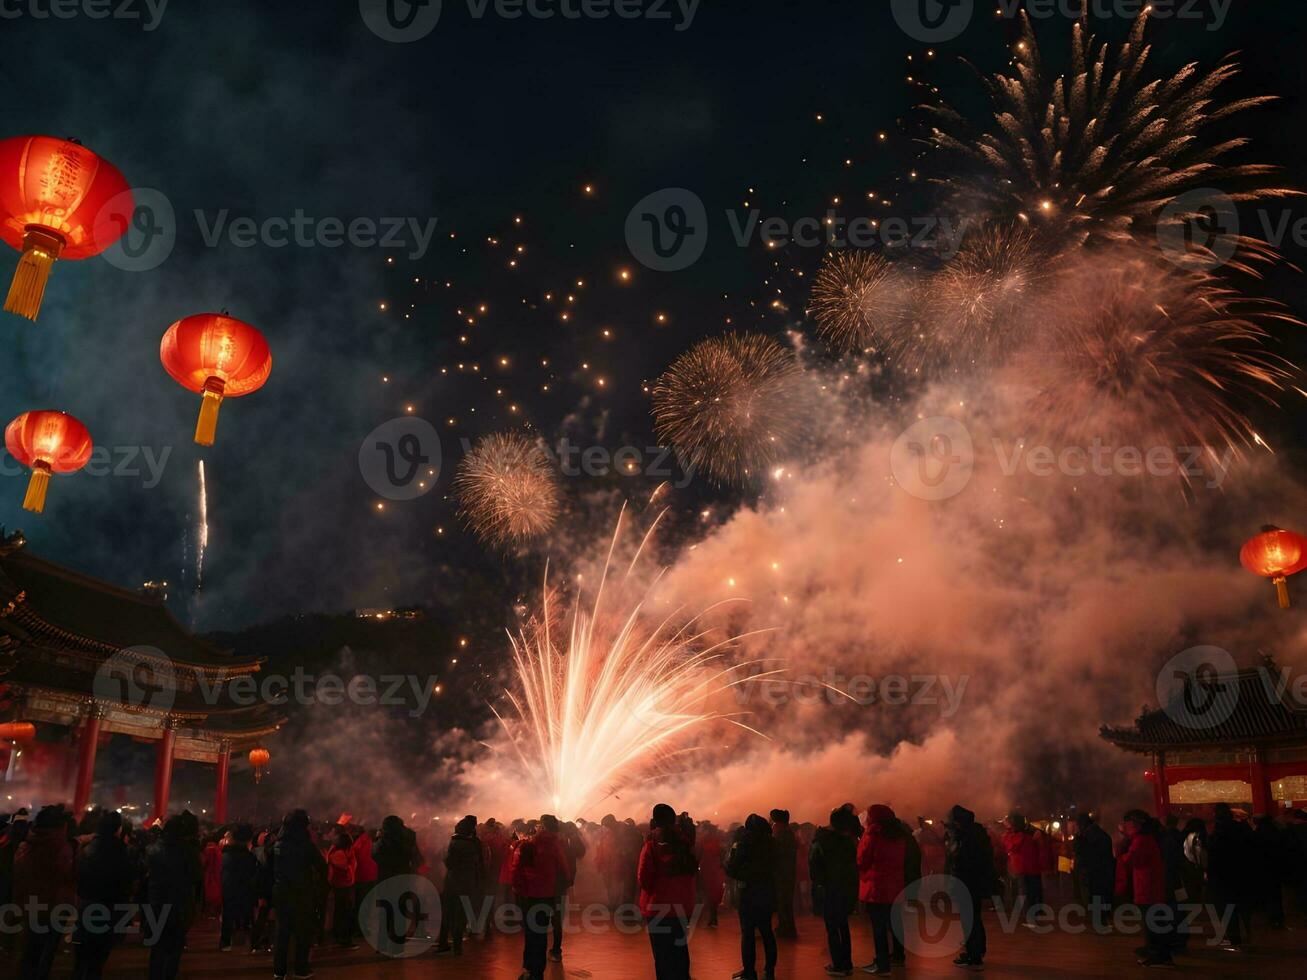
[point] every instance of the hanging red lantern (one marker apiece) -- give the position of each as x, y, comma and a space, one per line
219, 357
17, 731
259, 759
48, 442
1275, 554
58, 200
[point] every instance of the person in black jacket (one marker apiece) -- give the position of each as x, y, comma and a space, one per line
262, 893
395, 850
833, 868
970, 855
785, 851
752, 863
299, 876
1095, 867
1230, 856
106, 876
240, 873
396, 854
174, 880
911, 875
465, 869
1274, 859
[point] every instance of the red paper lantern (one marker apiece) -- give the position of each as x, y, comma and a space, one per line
57, 200
17, 731
219, 357
48, 442
1275, 554
259, 759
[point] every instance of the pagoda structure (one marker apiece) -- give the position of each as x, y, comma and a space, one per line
95, 660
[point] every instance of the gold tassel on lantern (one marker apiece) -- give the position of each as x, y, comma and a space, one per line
40, 249
207, 427
1282, 591
37, 487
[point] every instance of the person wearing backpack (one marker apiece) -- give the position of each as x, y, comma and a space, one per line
666, 878
537, 864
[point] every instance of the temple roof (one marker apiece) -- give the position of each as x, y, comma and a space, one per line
1251, 706
55, 606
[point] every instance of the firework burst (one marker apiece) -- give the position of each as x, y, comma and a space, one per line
1146, 356
1101, 152
506, 488
731, 406
858, 298
975, 309
612, 699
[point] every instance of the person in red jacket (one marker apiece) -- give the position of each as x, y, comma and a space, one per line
665, 876
211, 860
495, 842
572, 848
43, 875
538, 864
1141, 878
342, 879
365, 869
712, 876
1024, 862
882, 854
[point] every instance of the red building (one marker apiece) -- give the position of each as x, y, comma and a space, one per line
1247, 746
85, 661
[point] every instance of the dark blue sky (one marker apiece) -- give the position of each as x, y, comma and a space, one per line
264, 109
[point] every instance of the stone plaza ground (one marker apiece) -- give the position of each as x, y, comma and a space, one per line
618, 955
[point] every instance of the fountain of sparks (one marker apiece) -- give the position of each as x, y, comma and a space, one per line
614, 700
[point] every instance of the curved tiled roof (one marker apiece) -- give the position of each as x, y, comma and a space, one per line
65, 608
1246, 707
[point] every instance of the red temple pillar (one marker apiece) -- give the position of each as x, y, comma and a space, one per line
1161, 791
163, 771
89, 741
1261, 785
220, 798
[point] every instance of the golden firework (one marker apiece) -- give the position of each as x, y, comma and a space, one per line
1103, 152
507, 490
1138, 354
731, 406
860, 299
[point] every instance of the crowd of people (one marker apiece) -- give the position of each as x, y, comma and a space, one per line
287, 888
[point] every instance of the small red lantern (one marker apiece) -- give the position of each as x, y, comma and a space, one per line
48, 442
259, 759
1275, 554
17, 731
57, 200
218, 356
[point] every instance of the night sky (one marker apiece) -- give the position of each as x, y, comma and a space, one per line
262, 110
